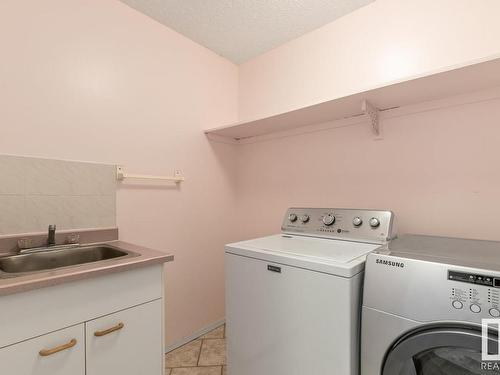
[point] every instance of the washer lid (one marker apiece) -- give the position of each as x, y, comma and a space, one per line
342, 258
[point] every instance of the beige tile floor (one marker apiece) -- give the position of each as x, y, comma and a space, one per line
204, 356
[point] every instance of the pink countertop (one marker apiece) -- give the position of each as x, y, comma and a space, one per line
145, 257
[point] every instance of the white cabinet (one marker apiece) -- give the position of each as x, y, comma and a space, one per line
40, 311
57, 353
125, 309
128, 342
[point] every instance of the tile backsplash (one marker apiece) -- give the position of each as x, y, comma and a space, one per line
37, 192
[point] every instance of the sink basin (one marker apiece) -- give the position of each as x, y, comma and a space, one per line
52, 258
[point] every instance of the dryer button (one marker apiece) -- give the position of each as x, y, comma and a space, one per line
495, 313
475, 308
457, 304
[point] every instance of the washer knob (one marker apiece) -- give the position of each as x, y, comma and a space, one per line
292, 217
494, 312
304, 218
357, 221
457, 304
475, 308
374, 222
328, 219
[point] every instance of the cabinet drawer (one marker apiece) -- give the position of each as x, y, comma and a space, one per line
129, 342
57, 353
36, 312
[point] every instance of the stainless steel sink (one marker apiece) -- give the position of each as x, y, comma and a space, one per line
49, 259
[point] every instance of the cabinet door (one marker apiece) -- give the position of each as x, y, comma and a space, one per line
129, 342
57, 353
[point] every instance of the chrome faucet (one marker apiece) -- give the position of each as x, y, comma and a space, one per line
25, 245
51, 240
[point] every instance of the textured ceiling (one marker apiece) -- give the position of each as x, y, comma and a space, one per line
242, 29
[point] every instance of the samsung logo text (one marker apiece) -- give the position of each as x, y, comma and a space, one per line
390, 263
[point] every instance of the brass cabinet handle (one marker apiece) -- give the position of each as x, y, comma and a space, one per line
47, 352
109, 330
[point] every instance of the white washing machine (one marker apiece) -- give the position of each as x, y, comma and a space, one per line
423, 305
293, 299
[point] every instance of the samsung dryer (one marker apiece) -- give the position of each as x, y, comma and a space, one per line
424, 301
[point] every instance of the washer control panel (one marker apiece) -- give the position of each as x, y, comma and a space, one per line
475, 293
375, 226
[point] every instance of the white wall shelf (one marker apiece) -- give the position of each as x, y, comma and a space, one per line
480, 75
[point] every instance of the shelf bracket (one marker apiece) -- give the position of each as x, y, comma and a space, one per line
373, 112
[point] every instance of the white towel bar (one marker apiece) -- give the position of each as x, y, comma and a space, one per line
121, 175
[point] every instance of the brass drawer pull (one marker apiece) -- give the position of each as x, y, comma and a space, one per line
109, 330
47, 352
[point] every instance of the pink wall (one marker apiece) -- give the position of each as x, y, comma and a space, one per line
97, 81
437, 169
382, 42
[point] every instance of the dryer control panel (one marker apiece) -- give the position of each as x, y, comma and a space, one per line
373, 226
479, 293
434, 279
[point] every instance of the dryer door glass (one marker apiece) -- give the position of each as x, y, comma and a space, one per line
448, 360
439, 351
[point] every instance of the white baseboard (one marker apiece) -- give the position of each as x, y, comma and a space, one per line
178, 343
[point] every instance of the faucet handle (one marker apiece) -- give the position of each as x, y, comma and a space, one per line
24, 243
73, 238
